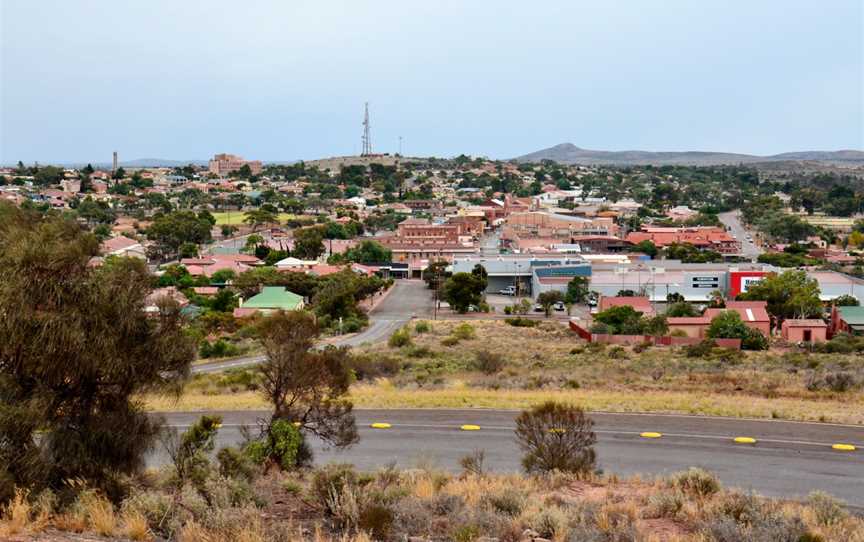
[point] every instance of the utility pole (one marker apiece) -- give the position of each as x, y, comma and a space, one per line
400, 145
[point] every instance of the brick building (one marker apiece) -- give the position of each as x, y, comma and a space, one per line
225, 164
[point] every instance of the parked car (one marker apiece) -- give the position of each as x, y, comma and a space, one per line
539, 308
510, 290
559, 306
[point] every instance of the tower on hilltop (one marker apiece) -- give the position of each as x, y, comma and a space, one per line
366, 139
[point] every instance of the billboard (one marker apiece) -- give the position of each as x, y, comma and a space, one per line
740, 281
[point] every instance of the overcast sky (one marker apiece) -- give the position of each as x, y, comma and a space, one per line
285, 80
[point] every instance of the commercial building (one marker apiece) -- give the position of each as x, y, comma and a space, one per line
529, 275
707, 238
225, 164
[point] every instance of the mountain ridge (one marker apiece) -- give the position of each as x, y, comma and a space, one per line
568, 153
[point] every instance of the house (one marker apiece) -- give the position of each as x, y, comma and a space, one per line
752, 313
804, 330
271, 299
847, 320
295, 264
210, 264
123, 246
639, 303
159, 296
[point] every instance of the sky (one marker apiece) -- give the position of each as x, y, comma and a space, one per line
285, 80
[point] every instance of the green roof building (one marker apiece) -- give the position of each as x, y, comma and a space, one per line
851, 320
271, 298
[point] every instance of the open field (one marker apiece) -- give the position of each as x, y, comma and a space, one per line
235, 218
508, 367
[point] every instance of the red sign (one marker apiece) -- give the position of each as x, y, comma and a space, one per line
739, 281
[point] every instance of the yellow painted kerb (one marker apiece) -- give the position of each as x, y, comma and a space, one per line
380, 426
470, 427
745, 440
650, 434
844, 447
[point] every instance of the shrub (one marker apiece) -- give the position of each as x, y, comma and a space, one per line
556, 436
449, 341
666, 504
509, 502
400, 338
489, 362
840, 381
282, 443
701, 349
233, 463
508, 310
696, 481
367, 366
827, 509
617, 352
332, 479
521, 322
218, 349
422, 327
377, 520
464, 332
473, 462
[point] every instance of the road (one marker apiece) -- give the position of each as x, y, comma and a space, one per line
788, 460
406, 300
748, 248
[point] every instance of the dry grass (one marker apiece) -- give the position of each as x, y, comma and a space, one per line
100, 513
16, 515
548, 362
135, 526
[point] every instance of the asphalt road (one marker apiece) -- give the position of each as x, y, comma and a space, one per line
748, 248
788, 460
408, 299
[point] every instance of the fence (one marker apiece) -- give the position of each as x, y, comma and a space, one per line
733, 344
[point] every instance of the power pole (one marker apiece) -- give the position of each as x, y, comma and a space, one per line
366, 139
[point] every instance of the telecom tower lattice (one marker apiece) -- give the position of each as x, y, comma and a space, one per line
367, 135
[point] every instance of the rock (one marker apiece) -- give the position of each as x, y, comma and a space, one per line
530, 534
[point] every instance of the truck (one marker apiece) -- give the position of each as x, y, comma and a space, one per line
510, 290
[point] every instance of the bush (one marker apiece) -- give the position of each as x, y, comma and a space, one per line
218, 349
508, 310
521, 322
827, 509
556, 436
400, 338
840, 381
509, 502
701, 349
367, 366
449, 341
695, 481
473, 462
233, 463
666, 505
422, 327
489, 362
330, 480
464, 332
377, 520
282, 443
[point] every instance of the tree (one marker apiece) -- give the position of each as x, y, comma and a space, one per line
728, 325
556, 437
169, 231
435, 273
655, 325
308, 243
305, 386
252, 242
367, 251
259, 217
577, 290
681, 309
790, 294
547, 299
463, 290
646, 247
249, 283
119, 174
621, 320
846, 300
76, 349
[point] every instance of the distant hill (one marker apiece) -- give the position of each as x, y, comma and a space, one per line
568, 153
160, 162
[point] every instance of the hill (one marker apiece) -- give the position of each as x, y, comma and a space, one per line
568, 153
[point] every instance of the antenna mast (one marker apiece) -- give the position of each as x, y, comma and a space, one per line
367, 135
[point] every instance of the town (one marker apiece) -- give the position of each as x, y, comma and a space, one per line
431, 272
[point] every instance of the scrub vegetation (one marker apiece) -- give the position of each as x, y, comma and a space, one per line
459, 364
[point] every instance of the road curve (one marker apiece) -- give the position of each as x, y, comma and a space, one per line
789, 459
408, 299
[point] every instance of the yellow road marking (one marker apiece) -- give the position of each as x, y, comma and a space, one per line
745, 440
844, 447
650, 434
470, 427
380, 426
